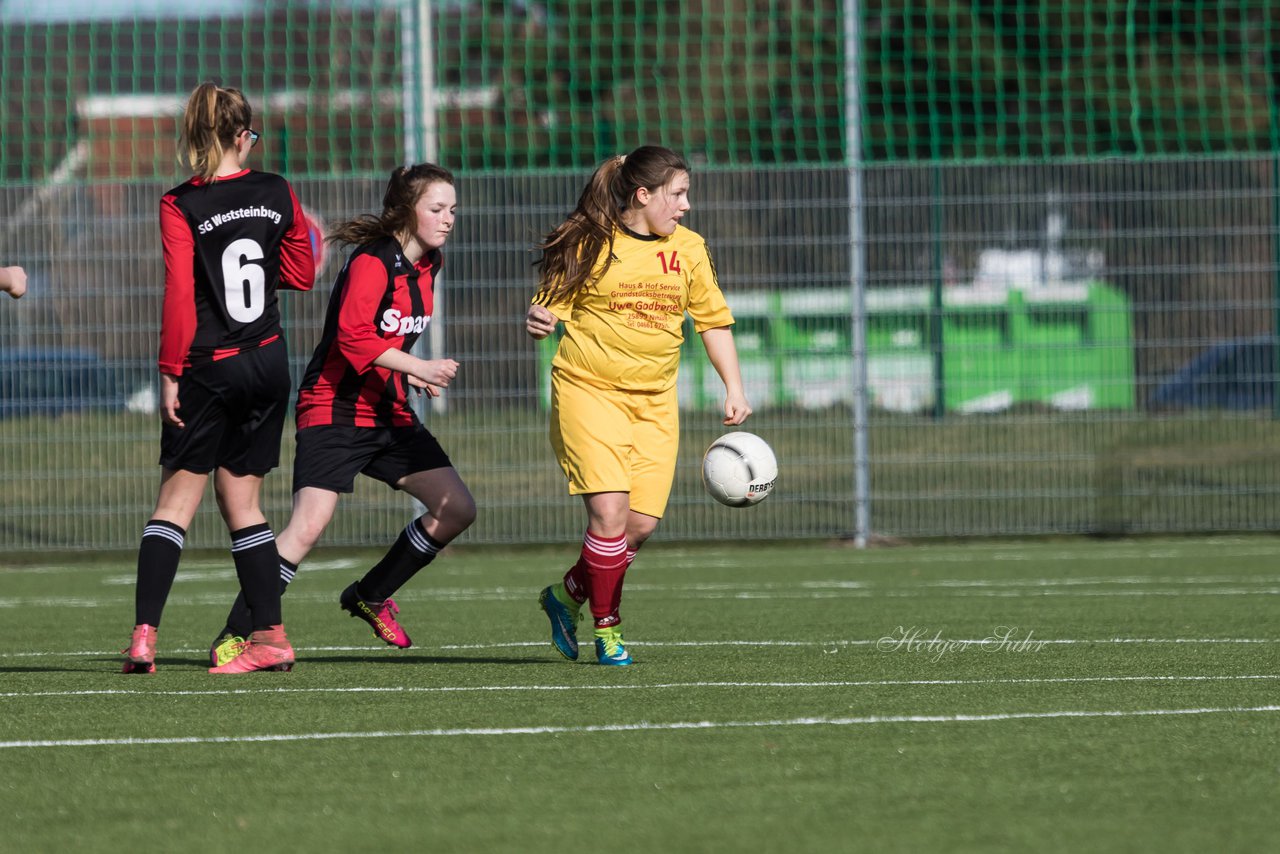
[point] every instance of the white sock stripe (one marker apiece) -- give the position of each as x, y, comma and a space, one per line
252, 540
606, 547
287, 574
165, 533
419, 540
631, 554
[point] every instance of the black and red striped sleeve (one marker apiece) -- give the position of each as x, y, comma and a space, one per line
178, 320
358, 338
297, 260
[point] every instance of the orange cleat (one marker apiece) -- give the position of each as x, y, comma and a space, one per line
267, 650
141, 654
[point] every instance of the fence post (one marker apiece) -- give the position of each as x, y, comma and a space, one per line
858, 269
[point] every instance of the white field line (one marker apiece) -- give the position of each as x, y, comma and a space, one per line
1219, 548
813, 590
824, 644
661, 686
839, 643
1103, 581
642, 726
820, 584
216, 568
225, 575
919, 555
1014, 594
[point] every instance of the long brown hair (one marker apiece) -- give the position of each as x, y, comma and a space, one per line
214, 117
398, 218
570, 251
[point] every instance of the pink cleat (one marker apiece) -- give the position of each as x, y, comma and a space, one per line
381, 617
141, 654
266, 650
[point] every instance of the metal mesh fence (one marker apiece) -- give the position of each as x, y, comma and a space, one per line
998, 79
1072, 347
1070, 220
560, 83
78, 444
565, 83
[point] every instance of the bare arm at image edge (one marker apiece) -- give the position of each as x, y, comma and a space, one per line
13, 281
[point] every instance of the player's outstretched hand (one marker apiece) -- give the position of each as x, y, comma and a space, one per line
736, 410
13, 281
426, 388
539, 321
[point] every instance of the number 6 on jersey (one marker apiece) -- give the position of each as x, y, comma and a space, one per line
244, 281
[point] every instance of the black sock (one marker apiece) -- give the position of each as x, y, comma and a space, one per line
240, 618
158, 557
258, 567
412, 551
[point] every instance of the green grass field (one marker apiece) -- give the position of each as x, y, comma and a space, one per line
88, 480
1050, 696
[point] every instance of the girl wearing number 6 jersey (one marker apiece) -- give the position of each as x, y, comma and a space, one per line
231, 238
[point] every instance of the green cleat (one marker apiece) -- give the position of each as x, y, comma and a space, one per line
226, 648
609, 648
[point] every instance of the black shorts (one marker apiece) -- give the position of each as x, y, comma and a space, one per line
234, 410
330, 456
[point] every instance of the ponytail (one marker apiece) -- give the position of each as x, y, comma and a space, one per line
213, 118
570, 251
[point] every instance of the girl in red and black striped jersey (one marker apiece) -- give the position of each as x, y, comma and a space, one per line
353, 408
231, 237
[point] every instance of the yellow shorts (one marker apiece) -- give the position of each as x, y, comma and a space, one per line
608, 440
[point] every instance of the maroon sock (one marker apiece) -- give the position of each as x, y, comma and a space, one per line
577, 583
606, 561
616, 603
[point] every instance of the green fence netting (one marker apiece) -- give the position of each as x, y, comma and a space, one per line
1068, 222
564, 83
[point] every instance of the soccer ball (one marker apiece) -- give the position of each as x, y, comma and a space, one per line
739, 469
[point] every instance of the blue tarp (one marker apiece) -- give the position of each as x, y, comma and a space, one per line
1239, 374
53, 380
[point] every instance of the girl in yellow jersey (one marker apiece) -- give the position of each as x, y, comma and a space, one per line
620, 273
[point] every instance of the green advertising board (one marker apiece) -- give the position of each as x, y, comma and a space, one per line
1062, 346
